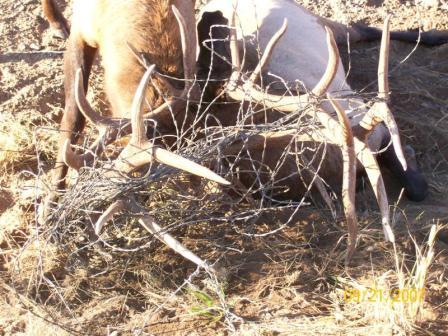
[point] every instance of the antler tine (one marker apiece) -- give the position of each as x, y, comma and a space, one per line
349, 177
380, 112
88, 112
107, 215
152, 227
365, 155
138, 126
240, 92
234, 51
383, 64
268, 51
332, 65
187, 44
383, 92
132, 158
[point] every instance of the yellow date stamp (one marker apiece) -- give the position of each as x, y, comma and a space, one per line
405, 295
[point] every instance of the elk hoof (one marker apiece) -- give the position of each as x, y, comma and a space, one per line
60, 33
43, 210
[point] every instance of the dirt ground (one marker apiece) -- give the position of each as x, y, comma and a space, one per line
290, 283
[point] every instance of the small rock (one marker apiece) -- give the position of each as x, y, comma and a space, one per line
34, 46
429, 3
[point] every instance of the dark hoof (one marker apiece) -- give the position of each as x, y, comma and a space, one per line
60, 32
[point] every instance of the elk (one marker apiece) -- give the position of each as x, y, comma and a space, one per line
300, 53
159, 29
154, 32
149, 26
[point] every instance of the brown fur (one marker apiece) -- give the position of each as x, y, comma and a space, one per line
55, 18
290, 175
107, 26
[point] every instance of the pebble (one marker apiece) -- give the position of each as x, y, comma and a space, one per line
35, 46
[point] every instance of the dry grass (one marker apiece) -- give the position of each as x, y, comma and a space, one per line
15, 143
55, 280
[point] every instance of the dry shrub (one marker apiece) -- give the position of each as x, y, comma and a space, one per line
15, 144
14, 232
21, 138
127, 281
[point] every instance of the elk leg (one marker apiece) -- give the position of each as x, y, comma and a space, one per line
429, 38
362, 33
78, 55
412, 180
57, 21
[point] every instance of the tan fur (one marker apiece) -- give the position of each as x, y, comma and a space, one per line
149, 25
55, 18
106, 27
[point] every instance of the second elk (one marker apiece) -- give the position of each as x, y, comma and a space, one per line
291, 67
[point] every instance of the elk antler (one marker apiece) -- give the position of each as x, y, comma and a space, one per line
380, 112
149, 224
140, 150
348, 177
288, 103
332, 131
110, 129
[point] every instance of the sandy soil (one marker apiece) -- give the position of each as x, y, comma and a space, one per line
281, 282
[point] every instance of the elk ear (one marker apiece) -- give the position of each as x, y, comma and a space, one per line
212, 35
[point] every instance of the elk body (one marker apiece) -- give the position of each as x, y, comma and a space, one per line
113, 29
300, 58
119, 30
